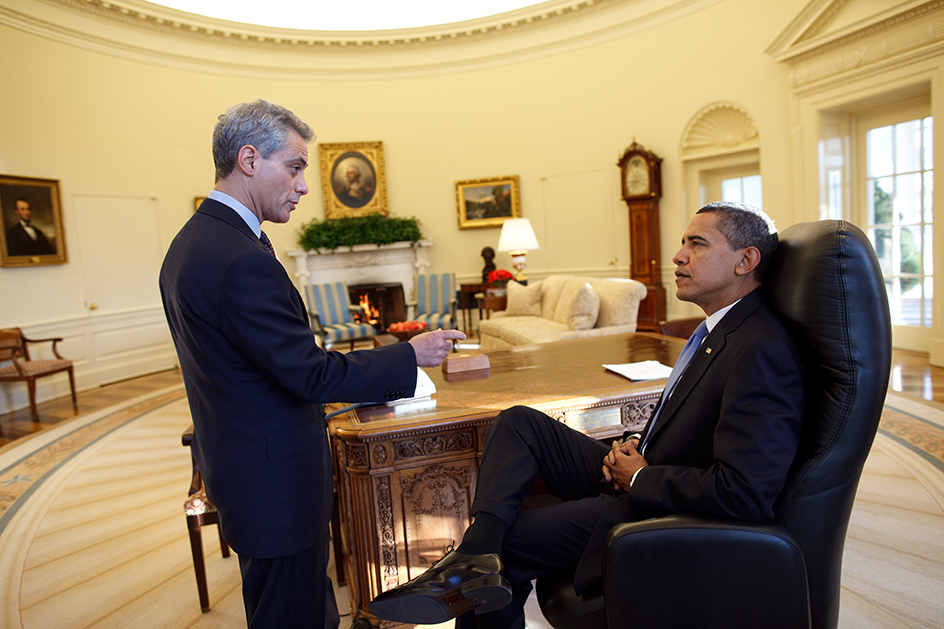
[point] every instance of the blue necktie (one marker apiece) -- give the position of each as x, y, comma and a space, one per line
267, 244
688, 352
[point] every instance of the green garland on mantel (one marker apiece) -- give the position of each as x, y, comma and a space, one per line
373, 229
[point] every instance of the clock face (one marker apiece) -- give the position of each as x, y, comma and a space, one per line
637, 176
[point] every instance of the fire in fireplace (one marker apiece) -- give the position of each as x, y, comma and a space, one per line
383, 303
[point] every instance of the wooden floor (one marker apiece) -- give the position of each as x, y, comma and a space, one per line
19, 424
911, 373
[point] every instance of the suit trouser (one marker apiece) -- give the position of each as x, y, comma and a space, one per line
290, 592
522, 445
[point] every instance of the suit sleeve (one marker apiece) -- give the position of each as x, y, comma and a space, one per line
261, 315
754, 442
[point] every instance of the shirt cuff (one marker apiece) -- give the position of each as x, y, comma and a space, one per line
633, 479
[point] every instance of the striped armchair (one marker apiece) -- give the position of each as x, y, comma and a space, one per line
330, 308
435, 296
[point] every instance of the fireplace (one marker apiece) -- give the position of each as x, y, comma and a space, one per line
383, 303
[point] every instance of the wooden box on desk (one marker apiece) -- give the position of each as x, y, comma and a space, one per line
407, 472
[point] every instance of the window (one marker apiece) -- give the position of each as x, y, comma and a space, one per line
899, 180
743, 190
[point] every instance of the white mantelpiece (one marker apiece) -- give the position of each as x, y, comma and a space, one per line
363, 264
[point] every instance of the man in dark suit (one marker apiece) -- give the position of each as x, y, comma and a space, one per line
24, 238
256, 381
720, 444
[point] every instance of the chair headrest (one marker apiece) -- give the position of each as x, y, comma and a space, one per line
826, 283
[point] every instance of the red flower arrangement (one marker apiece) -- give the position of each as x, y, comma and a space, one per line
500, 277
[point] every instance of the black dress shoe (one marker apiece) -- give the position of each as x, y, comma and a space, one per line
452, 586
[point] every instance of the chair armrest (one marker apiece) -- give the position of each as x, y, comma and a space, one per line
316, 325
707, 573
54, 341
186, 438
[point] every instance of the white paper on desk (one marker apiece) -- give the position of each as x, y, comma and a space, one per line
645, 370
424, 388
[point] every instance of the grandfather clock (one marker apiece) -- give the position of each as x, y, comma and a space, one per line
642, 186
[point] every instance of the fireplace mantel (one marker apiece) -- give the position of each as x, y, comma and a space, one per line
363, 264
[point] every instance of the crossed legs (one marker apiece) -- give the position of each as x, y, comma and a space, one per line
524, 444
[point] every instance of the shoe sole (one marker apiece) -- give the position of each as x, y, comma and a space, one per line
482, 595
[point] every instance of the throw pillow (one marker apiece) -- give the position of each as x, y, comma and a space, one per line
583, 309
523, 301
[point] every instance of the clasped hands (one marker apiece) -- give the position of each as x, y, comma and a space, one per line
432, 347
621, 462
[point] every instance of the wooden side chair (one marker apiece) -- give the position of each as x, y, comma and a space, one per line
14, 349
200, 512
435, 300
329, 306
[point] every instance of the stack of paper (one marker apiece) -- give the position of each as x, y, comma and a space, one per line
645, 370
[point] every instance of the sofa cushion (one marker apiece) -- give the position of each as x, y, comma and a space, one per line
522, 330
619, 300
566, 300
583, 309
577, 307
524, 300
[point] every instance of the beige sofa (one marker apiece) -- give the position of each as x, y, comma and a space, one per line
562, 307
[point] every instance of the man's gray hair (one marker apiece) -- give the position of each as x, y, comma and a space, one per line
262, 124
744, 226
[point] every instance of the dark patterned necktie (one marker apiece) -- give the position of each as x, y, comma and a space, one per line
267, 244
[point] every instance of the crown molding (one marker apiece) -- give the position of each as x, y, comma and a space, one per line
807, 34
145, 32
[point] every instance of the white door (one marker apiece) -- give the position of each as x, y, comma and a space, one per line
120, 252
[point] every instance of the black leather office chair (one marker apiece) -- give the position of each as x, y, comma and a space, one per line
685, 571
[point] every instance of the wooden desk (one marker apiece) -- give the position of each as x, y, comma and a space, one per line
407, 473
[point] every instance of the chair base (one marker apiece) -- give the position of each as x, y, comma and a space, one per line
564, 609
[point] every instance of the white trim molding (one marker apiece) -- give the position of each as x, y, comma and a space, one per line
718, 129
148, 33
104, 348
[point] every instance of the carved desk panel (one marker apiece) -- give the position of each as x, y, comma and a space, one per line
407, 472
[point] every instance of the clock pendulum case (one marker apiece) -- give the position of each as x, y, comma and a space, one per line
641, 184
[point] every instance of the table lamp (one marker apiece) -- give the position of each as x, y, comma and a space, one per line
517, 237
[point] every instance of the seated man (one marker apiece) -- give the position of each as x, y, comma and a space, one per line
719, 444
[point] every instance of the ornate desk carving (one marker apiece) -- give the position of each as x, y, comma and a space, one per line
407, 472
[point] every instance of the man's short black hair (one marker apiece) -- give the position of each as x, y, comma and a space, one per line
746, 226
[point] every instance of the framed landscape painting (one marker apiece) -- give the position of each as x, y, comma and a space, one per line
352, 178
487, 202
32, 222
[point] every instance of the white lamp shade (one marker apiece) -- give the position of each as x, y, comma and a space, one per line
517, 235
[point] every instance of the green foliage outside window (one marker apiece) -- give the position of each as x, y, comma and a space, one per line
373, 229
910, 255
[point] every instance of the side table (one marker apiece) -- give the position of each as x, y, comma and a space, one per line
467, 301
488, 304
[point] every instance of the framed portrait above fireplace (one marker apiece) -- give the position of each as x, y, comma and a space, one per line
31, 210
352, 178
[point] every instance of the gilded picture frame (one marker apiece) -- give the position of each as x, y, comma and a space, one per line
31, 211
487, 202
353, 179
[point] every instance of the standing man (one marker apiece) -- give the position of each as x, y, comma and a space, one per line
256, 381
24, 238
719, 444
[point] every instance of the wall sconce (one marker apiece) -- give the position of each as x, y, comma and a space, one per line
517, 237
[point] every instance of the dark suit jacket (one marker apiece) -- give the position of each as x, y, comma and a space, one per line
729, 433
727, 437
19, 242
256, 382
